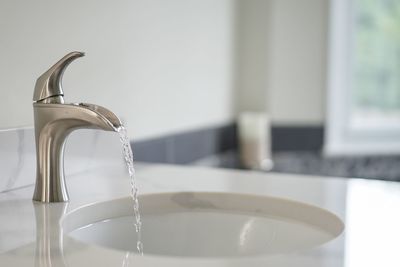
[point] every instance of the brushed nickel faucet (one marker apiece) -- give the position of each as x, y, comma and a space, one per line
54, 121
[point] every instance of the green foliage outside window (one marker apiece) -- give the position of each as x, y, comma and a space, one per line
376, 61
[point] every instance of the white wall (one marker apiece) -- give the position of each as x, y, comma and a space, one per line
168, 66
252, 43
297, 61
163, 66
283, 55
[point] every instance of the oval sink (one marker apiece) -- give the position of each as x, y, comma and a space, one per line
189, 224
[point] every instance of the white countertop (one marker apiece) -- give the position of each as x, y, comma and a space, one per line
369, 209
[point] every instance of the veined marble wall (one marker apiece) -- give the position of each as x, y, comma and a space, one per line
85, 149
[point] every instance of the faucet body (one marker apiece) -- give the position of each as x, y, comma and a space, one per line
54, 120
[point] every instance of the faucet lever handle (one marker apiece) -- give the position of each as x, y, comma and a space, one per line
49, 83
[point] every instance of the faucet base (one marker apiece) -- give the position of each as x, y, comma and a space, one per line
50, 190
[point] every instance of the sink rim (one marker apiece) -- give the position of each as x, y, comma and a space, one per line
115, 208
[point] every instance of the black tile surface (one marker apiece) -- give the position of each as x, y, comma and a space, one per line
371, 167
295, 150
183, 148
297, 138
192, 146
187, 147
155, 150
313, 163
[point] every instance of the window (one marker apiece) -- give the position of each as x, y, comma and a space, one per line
364, 77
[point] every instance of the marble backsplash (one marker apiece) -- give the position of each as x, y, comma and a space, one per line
85, 149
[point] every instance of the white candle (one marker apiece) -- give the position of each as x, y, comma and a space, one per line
255, 140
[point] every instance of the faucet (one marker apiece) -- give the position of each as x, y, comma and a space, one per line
54, 120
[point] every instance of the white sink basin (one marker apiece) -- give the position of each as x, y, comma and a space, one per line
189, 224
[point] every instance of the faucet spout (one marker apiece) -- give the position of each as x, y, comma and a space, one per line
106, 120
53, 124
54, 121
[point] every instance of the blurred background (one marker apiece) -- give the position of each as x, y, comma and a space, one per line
307, 86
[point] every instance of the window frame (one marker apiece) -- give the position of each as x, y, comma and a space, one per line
339, 138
